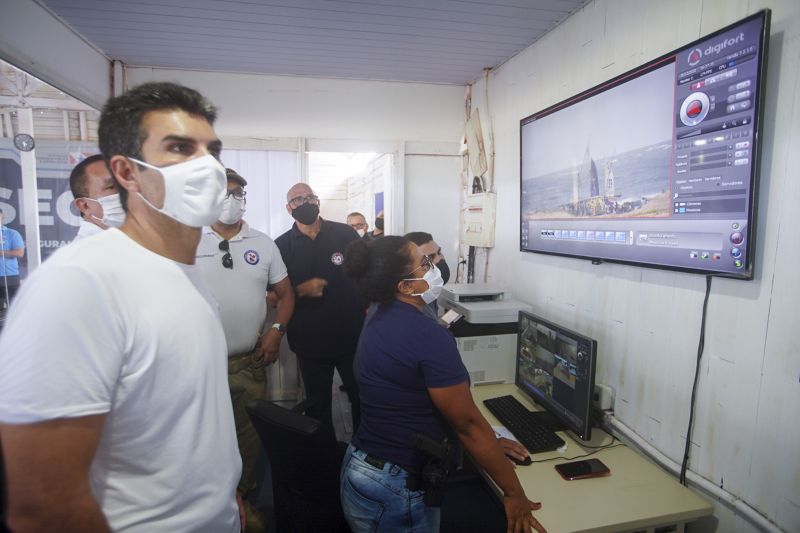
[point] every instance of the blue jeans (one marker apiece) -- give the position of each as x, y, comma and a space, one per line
376, 499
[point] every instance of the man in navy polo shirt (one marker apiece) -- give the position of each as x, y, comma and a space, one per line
328, 315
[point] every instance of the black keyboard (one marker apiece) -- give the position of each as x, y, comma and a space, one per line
521, 422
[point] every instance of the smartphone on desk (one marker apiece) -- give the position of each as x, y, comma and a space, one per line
583, 469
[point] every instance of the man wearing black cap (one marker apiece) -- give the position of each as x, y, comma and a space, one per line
238, 262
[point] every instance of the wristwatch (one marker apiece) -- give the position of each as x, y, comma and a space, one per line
280, 327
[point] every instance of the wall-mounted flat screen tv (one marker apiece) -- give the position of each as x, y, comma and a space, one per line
657, 167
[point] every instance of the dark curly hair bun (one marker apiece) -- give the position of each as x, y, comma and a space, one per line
357, 258
378, 266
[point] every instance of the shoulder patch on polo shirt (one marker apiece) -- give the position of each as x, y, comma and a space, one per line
252, 257
337, 258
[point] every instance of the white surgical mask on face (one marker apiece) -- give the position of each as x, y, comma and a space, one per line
433, 278
361, 232
194, 190
232, 210
113, 214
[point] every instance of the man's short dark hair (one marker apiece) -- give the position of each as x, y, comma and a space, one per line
356, 214
235, 176
77, 178
419, 237
120, 129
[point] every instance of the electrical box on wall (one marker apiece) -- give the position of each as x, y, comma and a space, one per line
479, 220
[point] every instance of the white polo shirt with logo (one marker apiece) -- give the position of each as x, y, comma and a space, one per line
241, 290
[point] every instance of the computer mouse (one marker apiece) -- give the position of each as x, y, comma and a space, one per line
523, 462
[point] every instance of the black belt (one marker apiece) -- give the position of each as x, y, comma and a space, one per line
374, 461
379, 463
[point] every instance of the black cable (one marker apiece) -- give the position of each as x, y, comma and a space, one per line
700, 346
461, 263
603, 447
599, 449
471, 265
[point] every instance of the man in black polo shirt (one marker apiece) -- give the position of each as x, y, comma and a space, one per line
328, 315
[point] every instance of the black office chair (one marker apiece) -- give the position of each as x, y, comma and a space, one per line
305, 460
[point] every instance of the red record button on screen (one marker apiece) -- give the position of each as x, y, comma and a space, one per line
694, 108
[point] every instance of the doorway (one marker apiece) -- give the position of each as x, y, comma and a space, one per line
348, 182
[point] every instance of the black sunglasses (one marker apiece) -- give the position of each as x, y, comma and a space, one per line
227, 260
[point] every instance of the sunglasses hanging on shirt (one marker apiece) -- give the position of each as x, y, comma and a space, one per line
227, 260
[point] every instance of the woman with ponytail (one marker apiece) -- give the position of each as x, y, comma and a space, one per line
412, 381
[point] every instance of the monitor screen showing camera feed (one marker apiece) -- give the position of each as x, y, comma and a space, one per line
555, 368
657, 167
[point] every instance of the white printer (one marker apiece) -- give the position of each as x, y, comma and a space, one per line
487, 335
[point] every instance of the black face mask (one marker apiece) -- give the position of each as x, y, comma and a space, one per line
379, 223
306, 214
444, 269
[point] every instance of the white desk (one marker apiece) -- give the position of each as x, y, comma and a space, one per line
637, 496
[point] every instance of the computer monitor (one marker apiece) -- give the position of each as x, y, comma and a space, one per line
555, 368
657, 167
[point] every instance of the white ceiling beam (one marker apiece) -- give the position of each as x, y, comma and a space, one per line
36, 41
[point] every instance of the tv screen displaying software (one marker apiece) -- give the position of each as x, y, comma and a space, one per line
555, 368
657, 167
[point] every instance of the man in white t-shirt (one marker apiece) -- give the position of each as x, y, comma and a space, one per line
95, 197
115, 412
239, 263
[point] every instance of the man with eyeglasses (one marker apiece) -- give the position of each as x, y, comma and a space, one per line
328, 316
239, 262
432, 251
358, 222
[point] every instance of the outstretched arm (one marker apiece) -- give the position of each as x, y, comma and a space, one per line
456, 404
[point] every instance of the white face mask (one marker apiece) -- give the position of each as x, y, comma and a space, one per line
113, 214
194, 190
433, 278
232, 210
361, 232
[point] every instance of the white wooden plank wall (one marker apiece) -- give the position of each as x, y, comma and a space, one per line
647, 321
